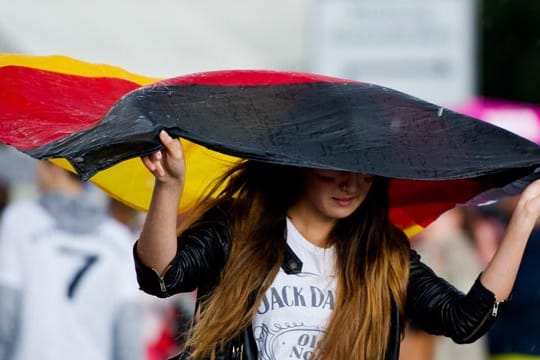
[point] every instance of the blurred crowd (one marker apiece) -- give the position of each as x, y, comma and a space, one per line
67, 281
68, 289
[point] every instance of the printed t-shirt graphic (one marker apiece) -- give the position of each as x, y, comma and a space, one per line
295, 310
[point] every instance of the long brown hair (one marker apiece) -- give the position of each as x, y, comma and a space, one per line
372, 263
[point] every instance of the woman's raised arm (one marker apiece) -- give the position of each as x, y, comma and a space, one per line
500, 274
157, 243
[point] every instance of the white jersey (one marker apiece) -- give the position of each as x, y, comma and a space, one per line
295, 310
72, 286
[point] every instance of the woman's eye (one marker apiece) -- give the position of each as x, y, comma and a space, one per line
325, 178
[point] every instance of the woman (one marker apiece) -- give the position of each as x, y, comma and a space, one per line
305, 264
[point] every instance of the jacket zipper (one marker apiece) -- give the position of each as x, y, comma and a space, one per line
494, 312
238, 352
161, 279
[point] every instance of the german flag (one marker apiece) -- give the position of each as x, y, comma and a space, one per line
99, 119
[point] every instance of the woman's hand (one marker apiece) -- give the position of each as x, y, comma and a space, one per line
168, 164
529, 201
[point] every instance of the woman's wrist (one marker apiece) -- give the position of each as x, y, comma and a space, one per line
170, 185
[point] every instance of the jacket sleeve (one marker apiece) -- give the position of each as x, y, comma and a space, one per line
440, 309
202, 251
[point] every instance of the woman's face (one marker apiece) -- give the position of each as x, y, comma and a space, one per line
335, 194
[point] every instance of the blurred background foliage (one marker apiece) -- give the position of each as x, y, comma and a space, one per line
509, 54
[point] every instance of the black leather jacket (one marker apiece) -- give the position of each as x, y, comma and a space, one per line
432, 304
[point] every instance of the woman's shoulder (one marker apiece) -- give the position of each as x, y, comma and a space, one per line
220, 213
213, 223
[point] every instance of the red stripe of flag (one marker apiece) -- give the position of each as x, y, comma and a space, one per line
251, 78
41, 106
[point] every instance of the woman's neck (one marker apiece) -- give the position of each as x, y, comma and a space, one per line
315, 229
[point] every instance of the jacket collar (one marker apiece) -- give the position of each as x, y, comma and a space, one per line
291, 262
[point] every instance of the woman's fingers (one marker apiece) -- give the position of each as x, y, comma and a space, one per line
159, 171
169, 161
173, 156
157, 156
530, 199
153, 163
172, 145
148, 162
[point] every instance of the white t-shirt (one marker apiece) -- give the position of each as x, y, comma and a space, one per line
295, 310
72, 286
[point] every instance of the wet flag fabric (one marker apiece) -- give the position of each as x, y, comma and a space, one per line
100, 124
48, 98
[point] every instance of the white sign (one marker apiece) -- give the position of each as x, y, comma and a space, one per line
422, 47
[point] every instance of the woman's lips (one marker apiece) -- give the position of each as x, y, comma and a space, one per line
344, 201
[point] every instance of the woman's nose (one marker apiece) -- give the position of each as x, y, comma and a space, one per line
344, 187
347, 182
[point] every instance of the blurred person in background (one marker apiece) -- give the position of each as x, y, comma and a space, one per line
67, 286
168, 322
164, 323
4, 195
126, 215
447, 246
